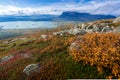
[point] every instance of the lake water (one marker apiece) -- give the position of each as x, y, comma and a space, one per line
27, 24
12, 29
30, 24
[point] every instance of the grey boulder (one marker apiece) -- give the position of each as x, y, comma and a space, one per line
77, 31
116, 20
31, 68
6, 58
44, 36
106, 29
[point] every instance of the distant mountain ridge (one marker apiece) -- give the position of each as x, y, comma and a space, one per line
65, 16
76, 16
27, 18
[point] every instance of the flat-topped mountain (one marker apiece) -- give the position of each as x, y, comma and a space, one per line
76, 16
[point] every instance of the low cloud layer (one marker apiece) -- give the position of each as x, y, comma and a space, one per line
94, 7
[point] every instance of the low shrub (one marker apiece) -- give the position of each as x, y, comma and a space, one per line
101, 50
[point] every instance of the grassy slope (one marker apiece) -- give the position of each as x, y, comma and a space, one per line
53, 56
56, 63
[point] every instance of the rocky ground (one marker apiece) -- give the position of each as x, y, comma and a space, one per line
47, 55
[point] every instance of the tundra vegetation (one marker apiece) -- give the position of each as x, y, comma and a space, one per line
82, 52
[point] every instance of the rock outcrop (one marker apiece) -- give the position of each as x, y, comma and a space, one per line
76, 31
116, 29
116, 20
86, 28
106, 29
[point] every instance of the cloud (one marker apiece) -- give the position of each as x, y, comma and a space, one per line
111, 7
94, 7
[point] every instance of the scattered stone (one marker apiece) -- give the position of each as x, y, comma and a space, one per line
90, 27
22, 39
77, 31
59, 33
116, 20
106, 29
6, 42
31, 68
13, 40
74, 46
6, 58
89, 31
29, 41
116, 29
26, 55
96, 29
83, 26
103, 24
76, 26
44, 36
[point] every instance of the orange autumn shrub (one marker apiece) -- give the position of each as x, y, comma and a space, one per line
99, 49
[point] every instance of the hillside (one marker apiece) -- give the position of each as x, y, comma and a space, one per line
89, 50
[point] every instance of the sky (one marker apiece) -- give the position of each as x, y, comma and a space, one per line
56, 7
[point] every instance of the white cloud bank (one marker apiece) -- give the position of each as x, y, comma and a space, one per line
94, 7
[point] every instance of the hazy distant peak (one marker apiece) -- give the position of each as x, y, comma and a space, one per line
76, 16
